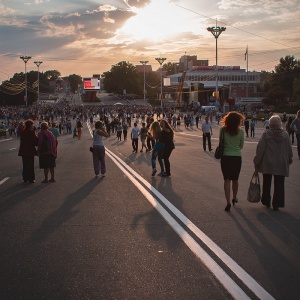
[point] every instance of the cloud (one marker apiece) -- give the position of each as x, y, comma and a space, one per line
6, 11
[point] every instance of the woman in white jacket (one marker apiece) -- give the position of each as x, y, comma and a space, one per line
273, 157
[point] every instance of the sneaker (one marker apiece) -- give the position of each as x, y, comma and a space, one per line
103, 175
161, 174
153, 173
166, 175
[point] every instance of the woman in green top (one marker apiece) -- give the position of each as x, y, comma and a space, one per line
231, 162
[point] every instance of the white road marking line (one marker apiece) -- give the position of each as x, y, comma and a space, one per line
3, 180
5, 140
220, 274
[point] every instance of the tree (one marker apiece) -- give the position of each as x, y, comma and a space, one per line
74, 81
122, 76
171, 68
296, 94
283, 77
52, 74
278, 85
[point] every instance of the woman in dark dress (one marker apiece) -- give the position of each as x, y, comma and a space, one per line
47, 156
28, 142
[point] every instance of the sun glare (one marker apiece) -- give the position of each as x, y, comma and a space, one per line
155, 22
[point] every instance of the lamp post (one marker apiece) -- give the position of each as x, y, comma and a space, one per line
38, 63
144, 62
161, 60
25, 59
216, 31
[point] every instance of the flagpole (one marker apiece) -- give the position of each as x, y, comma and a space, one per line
247, 73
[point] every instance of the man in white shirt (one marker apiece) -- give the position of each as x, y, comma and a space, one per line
207, 133
135, 132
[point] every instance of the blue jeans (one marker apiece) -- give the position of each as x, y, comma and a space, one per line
157, 153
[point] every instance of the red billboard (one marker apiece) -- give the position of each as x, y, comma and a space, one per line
91, 84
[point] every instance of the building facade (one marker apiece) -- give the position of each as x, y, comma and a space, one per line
234, 83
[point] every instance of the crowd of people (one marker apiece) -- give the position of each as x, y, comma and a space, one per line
44, 123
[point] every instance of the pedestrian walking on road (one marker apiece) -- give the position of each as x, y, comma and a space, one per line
119, 131
47, 149
273, 157
252, 128
290, 130
167, 136
207, 133
99, 149
296, 127
246, 124
125, 130
135, 132
27, 150
231, 162
78, 128
158, 148
143, 135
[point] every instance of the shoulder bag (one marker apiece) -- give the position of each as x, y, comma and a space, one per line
220, 149
254, 189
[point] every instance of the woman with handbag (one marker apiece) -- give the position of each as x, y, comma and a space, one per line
47, 148
231, 161
273, 157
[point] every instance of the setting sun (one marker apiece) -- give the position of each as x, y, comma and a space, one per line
156, 21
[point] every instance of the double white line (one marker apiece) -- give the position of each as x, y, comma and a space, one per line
228, 283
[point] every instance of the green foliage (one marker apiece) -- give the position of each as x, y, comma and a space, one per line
122, 76
296, 90
171, 68
52, 74
279, 84
74, 81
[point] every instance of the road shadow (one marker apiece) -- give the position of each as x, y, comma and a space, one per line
274, 254
64, 212
18, 193
155, 225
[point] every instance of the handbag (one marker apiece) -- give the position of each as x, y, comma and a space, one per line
220, 149
254, 189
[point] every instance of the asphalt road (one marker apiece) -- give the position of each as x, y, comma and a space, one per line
131, 236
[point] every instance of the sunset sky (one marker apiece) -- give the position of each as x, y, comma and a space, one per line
88, 37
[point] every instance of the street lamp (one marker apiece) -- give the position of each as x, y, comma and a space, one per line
38, 63
161, 60
25, 59
144, 62
216, 31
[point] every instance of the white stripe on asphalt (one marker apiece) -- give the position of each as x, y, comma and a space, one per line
219, 273
225, 280
3, 180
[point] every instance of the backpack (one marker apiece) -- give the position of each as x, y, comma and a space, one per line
45, 147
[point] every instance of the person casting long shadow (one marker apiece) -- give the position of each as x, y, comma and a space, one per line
167, 136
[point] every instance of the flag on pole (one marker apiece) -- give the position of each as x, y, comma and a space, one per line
246, 53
